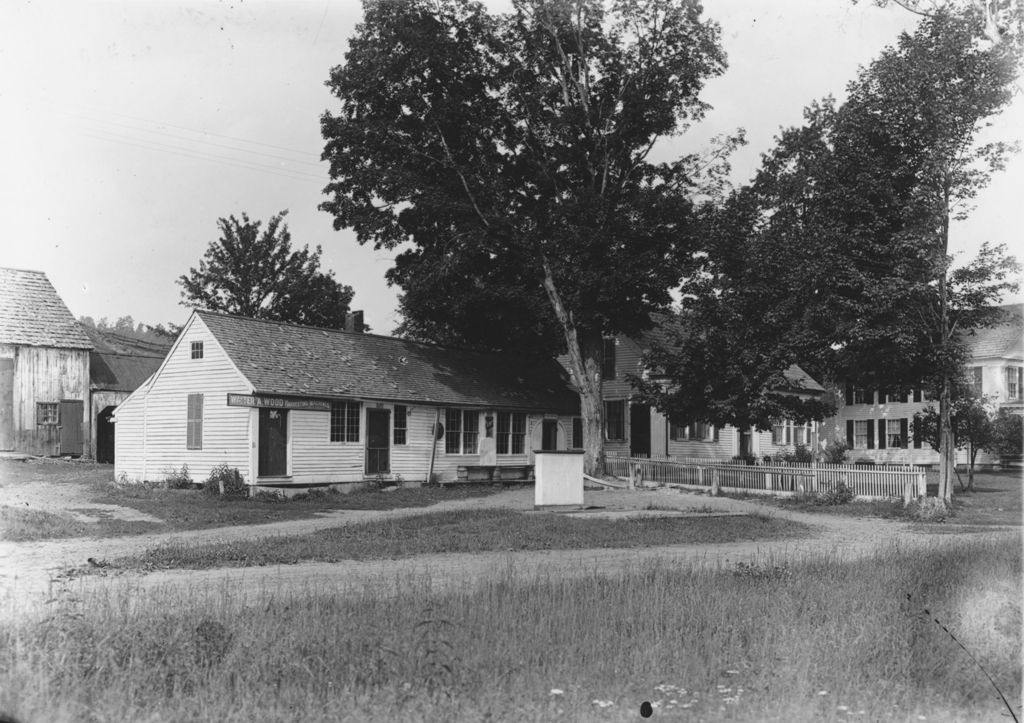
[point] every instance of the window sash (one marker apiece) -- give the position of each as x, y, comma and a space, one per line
345, 421
47, 413
196, 349
860, 434
893, 435
400, 424
615, 420
194, 423
462, 431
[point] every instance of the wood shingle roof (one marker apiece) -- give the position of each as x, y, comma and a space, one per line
33, 314
288, 359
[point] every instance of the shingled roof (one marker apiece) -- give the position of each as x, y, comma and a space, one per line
1005, 340
32, 314
288, 359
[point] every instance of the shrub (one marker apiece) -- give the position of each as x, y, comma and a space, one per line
177, 479
801, 453
229, 477
841, 494
835, 452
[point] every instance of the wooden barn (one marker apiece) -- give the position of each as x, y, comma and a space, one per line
118, 365
44, 369
292, 406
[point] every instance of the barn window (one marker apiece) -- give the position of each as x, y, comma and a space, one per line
511, 437
401, 423
345, 421
194, 427
197, 350
46, 413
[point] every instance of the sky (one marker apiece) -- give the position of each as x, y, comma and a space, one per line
128, 128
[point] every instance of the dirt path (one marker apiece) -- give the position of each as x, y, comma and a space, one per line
29, 572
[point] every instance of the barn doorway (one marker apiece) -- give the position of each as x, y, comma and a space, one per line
273, 447
105, 435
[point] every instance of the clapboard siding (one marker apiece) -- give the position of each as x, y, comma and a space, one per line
130, 438
46, 374
226, 431
315, 458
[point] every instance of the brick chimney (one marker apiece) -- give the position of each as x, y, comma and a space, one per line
354, 321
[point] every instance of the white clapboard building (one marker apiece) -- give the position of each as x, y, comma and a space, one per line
292, 406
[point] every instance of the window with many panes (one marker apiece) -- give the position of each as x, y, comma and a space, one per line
47, 413
615, 420
1014, 382
511, 437
976, 380
893, 434
577, 433
860, 434
345, 421
462, 427
194, 426
401, 424
197, 350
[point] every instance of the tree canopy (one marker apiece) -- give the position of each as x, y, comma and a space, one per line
508, 157
255, 273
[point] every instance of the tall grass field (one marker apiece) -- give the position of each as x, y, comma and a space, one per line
816, 640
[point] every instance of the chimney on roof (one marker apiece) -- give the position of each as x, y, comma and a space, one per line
354, 321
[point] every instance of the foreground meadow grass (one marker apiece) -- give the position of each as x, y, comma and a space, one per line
470, 531
817, 640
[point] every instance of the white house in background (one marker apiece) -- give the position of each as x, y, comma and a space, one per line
291, 406
633, 428
879, 425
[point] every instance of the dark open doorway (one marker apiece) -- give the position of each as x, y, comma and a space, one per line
549, 435
273, 452
105, 436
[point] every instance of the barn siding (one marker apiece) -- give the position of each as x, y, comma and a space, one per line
47, 374
226, 435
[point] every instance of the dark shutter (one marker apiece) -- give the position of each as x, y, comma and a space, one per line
881, 434
608, 369
903, 432
871, 434
849, 393
917, 433
917, 395
714, 432
849, 433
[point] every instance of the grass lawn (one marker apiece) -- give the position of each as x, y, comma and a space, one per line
996, 500
821, 640
180, 510
463, 531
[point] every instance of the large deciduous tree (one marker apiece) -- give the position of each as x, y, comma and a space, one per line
253, 271
508, 156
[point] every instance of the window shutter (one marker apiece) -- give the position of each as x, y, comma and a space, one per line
714, 433
881, 434
917, 433
849, 393
869, 396
917, 395
903, 432
871, 434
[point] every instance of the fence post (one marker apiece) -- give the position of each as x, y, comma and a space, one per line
700, 476
814, 476
714, 482
922, 484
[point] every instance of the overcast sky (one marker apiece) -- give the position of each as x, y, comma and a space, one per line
128, 128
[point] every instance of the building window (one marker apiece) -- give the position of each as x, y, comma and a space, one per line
975, 378
462, 427
862, 396
704, 431
47, 413
780, 434
1014, 382
345, 421
511, 437
677, 432
608, 369
802, 434
197, 350
577, 433
615, 420
401, 424
194, 426
861, 434
893, 434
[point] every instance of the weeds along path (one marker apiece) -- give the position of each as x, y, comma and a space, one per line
29, 572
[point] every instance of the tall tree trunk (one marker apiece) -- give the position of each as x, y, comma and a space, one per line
586, 354
947, 451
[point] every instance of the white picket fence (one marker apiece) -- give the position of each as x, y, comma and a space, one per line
872, 482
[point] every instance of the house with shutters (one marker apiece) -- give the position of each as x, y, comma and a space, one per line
292, 406
44, 369
636, 429
878, 424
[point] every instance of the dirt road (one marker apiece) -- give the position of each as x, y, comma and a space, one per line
31, 572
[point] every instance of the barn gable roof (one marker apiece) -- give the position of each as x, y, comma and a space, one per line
121, 363
289, 359
33, 314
